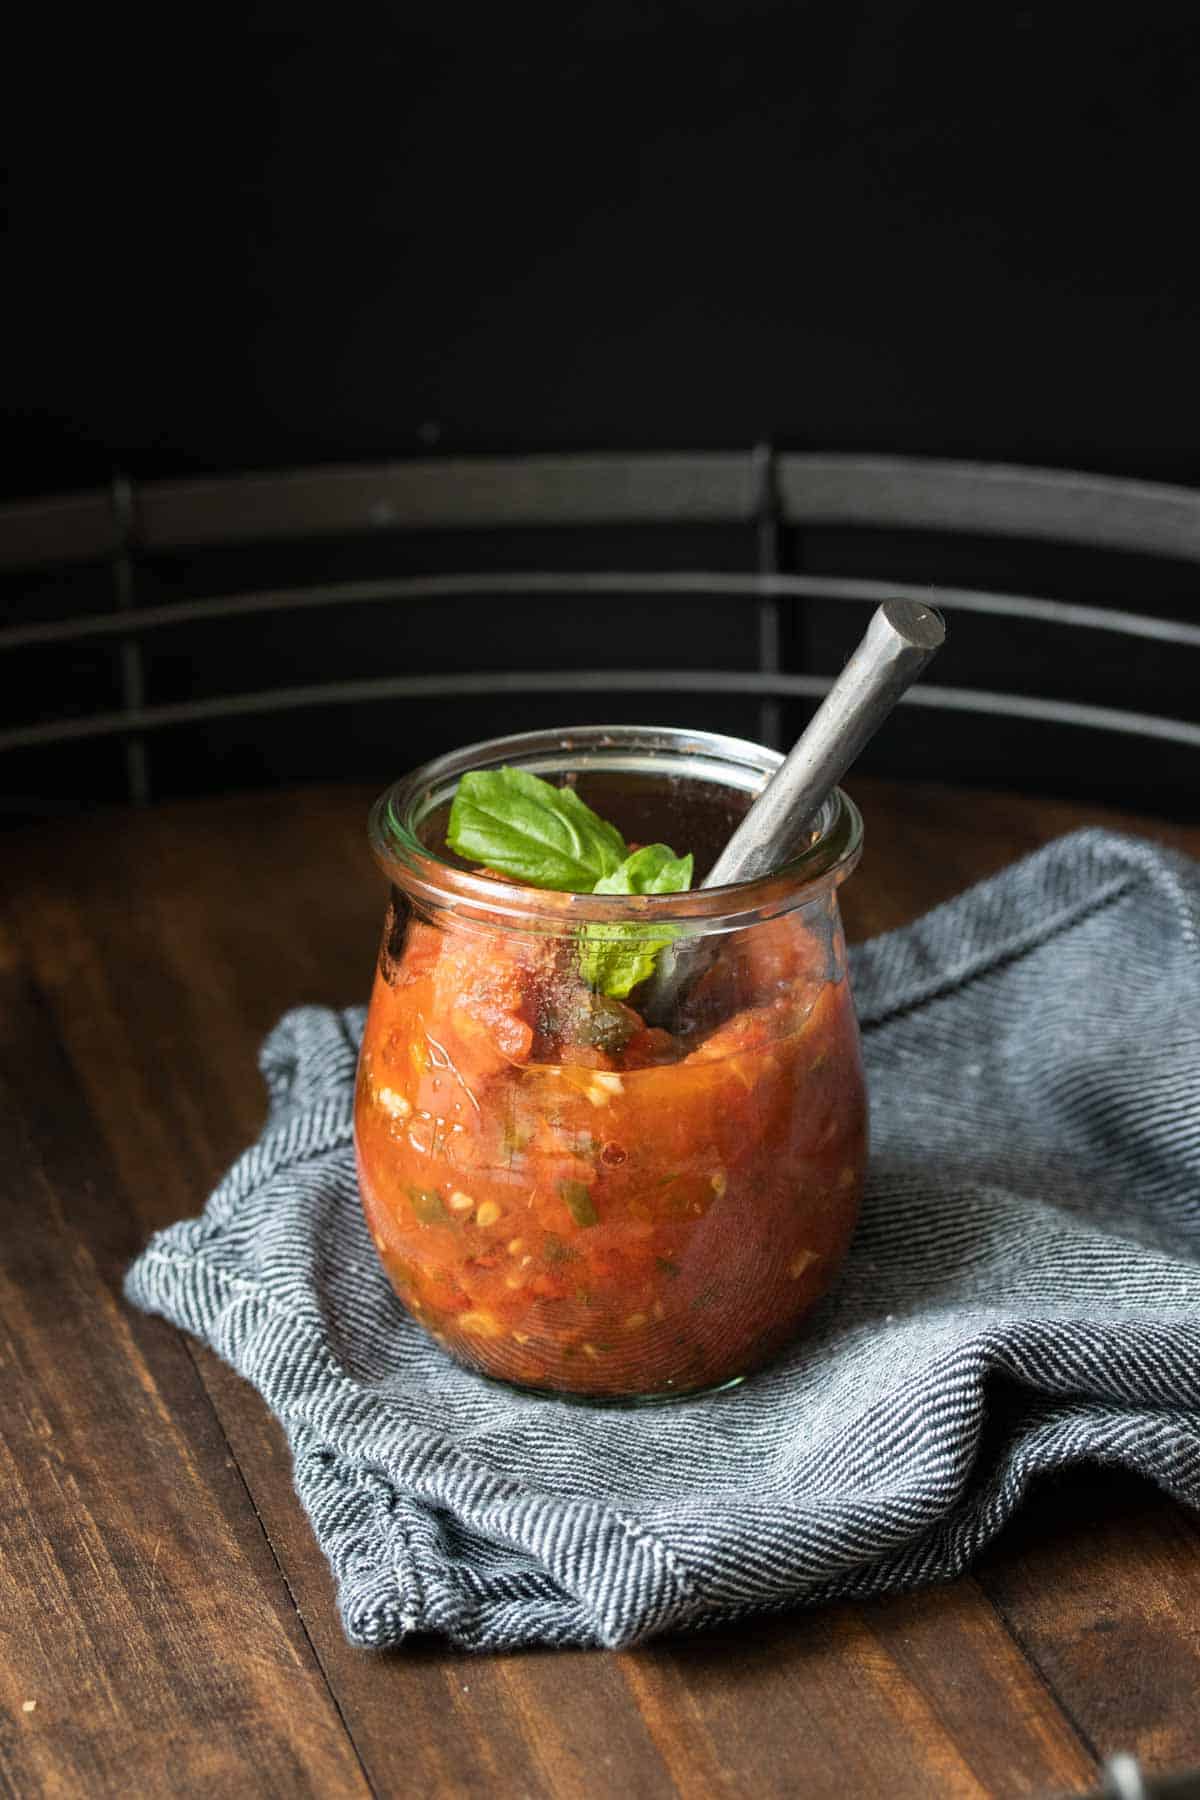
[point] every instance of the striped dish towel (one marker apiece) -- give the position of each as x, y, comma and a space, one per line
1023, 1293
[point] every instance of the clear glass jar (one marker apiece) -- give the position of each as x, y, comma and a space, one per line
567, 1198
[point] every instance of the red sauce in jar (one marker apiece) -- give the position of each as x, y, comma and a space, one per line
571, 1200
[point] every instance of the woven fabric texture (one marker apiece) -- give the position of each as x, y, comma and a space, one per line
1023, 1294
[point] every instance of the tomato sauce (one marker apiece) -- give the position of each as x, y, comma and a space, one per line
572, 1200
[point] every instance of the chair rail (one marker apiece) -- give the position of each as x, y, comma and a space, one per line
697, 487
757, 490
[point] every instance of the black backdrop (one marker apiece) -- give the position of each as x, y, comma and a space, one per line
314, 233
306, 234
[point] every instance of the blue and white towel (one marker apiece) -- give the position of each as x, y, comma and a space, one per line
1023, 1294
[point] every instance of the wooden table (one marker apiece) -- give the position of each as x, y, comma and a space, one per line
166, 1622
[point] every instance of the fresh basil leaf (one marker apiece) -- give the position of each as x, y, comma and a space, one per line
615, 958
548, 837
522, 826
654, 869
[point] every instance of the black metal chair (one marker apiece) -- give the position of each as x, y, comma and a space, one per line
193, 634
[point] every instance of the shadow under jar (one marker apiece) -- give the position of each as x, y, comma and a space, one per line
567, 1198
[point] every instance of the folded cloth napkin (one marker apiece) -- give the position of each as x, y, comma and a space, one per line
1023, 1294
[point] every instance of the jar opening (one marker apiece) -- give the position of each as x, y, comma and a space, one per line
653, 782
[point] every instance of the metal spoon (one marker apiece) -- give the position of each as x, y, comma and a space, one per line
901, 639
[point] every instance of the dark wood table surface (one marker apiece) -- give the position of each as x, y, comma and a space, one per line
167, 1623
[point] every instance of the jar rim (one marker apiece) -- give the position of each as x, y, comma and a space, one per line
397, 814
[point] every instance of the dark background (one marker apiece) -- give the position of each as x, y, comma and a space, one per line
321, 234
309, 235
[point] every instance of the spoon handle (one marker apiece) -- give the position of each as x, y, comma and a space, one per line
900, 640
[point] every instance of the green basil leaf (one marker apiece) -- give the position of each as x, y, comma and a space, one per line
427, 1205
654, 869
548, 837
579, 1202
524, 827
615, 958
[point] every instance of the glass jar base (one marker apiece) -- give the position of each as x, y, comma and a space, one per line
669, 1397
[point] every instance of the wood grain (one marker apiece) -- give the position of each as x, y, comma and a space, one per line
141, 1609
140, 971
1100, 1581
934, 1674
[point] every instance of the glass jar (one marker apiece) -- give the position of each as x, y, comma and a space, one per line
565, 1196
